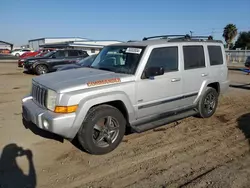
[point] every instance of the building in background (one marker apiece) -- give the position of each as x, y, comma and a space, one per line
91, 46
35, 43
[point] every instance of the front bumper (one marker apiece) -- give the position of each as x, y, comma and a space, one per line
60, 124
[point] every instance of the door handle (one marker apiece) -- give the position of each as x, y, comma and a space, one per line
175, 80
204, 74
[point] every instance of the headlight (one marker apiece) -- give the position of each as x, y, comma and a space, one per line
51, 100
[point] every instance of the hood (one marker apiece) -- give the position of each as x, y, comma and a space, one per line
76, 79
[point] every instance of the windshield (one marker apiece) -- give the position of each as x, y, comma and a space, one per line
86, 62
119, 59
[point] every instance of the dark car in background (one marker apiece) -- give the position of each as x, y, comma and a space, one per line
247, 63
46, 64
86, 62
30, 55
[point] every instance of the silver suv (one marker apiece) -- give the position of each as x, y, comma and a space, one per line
133, 85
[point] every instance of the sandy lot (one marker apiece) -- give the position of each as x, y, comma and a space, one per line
190, 153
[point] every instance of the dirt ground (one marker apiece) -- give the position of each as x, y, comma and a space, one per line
190, 153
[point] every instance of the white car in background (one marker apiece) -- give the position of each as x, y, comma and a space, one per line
20, 52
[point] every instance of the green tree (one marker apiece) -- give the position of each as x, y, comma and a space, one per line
229, 33
243, 40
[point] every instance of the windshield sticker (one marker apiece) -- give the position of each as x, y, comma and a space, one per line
134, 50
103, 82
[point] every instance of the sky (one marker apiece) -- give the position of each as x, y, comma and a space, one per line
23, 20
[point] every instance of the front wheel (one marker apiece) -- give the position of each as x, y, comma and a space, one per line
41, 69
102, 130
208, 103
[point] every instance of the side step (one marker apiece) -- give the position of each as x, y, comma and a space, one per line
163, 121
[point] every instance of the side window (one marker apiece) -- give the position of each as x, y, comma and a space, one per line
72, 53
83, 53
193, 57
60, 54
166, 57
215, 55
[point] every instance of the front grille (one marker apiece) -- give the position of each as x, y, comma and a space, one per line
39, 94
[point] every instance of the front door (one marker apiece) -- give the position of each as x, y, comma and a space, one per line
161, 93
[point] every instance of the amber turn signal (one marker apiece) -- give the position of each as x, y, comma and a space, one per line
65, 109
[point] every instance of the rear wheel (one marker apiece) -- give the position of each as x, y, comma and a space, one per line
102, 130
208, 103
41, 69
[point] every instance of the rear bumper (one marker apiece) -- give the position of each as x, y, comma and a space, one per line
60, 124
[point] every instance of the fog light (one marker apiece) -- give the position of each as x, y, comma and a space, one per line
46, 124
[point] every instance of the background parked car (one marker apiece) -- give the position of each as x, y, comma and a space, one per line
45, 64
40, 55
20, 52
247, 63
35, 53
86, 62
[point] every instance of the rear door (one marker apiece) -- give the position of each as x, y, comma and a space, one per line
195, 71
73, 56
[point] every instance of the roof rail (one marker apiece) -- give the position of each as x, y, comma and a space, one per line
163, 36
179, 37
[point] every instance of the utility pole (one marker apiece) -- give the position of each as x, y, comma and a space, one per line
191, 33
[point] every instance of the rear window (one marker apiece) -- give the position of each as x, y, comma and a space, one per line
193, 57
72, 53
215, 55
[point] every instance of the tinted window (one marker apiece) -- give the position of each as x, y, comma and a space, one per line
59, 54
215, 55
193, 57
166, 57
83, 53
72, 53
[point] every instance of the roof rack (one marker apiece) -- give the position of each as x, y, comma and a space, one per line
187, 37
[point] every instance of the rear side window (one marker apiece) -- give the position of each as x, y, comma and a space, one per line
166, 57
193, 57
215, 55
72, 53
83, 53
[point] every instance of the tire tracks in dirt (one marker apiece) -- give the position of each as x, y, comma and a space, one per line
178, 152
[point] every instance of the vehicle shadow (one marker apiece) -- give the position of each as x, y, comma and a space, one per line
244, 86
11, 175
40, 132
244, 125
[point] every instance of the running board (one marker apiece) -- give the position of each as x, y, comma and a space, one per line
163, 121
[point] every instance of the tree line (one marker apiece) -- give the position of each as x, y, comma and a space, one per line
243, 40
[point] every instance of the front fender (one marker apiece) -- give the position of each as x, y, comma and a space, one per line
86, 103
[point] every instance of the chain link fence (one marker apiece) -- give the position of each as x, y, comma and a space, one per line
237, 56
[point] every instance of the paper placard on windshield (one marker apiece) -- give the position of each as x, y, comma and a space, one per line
134, 50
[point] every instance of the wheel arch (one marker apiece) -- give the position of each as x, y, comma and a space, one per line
118, 100
204, 85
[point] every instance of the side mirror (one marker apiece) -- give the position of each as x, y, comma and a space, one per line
153, 71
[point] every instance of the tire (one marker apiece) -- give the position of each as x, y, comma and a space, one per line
17, 54
91, 131
206, 107
41, 69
